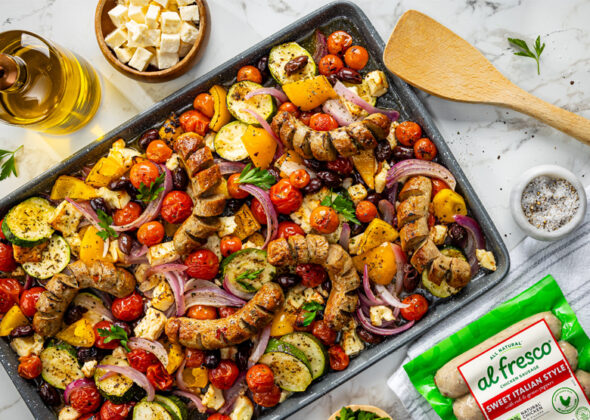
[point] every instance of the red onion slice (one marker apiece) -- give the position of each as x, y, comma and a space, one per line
338, 111
193, 398
411, 167
103, 311
349, 95
368, 291
133, 374
88, 212
154, 347
344, 236
366, 324
266, 126
387, 211
28, 282
177, 287
321, 46
232, 394
401, 261
278, 94
272, 223
162, 268
233, 290
475, 240
260, 347
228, 168
388, 298
78, 383
207, 293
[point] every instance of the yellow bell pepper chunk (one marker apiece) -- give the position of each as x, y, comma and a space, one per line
446, 204
104, 171
282, 324
260, 146
78, 334
92, 247
310, 93
195, 377
13, 318
221, 115
71, 187
175, 357
380, 262
376, 233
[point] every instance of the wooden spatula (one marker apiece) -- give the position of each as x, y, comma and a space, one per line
427, 55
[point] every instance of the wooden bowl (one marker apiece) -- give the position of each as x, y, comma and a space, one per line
103, 26
370, 408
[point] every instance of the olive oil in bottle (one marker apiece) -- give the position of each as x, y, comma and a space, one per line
44, 87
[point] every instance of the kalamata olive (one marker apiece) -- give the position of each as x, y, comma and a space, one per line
358, 179
374, 198
332, 78
327, 285
314, 186
147, 137
212, 359
350, 76
457, 235
244, 350
330, 179
275, 173
74, 313
49, 395
232, 206
342, 166
124, 184
22, 331
383, 151
98, 203
403, 153
314, 165
123, 325
286, 281
356, 228
263, 65
367, 336
411, 278
179, 179
125, 243
296, 64
87, 354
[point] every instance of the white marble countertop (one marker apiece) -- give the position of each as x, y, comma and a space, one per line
493, 145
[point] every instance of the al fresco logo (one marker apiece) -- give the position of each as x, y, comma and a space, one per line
510, 368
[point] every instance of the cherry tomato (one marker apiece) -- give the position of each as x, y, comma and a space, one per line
229, 245
338, 358
290, 108
85, 399
28, 300
407, 133
233, 187
267, 399
342, 166
99, 341
365, 211
177, 206
195, 358
194, 121
431, 220
260, 378
338, 42
301, 323
258, 211
10, 290
330, 64
158, 377
158, 151
287, 229
306, 117
128, 308
218, 416
437, 185
112, 411
312, 275
299, 178
89, 416
425, 149
202, 312
150, 233
204, 104
144, 172
417, 309
250, 73
324, 219
29, 367
2, 233
127, 214
322, 122
285, 197
224, 375
202, 264
356, 57
140, 359
226, 311
322, 331
7, 262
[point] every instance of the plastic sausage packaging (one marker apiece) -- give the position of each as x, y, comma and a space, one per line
529, 358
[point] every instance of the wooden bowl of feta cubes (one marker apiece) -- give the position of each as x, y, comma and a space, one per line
151, 40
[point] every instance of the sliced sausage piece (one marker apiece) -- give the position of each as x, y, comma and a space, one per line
206, 180
466, 408
361, 135
411, 209
199, 160
378, 124
570, 353
413, 234
318, 247
584, 379
278, 253
321, 147
460, 273
299, 250
287, 132
194, 232
424, 256
187, 143
301, 140
209, 206
440, 269
343, 143
417, 185
278, 121
343, 299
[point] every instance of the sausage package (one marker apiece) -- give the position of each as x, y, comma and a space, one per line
528, 358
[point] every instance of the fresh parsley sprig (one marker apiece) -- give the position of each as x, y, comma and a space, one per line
311, 309
526, 52
342, 205
9, 165
248, 275
114, 333
105, 221
346, 413
256, 176
147, 194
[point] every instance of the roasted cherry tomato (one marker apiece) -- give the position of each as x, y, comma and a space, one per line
29, 367
127, 214
229, 245
299, 178
260, 378
437, 185
285, 197
342, 166
408, 133
312, 275
177, 206
338, 42
417, 309
425, 149
7, 262
218, 416
195, 121
204, 104
250, 73
324, 219
267, 399
99, 341
224, 375
356, 57
301, 322
258, 211
85, 399
306, 117
322, 122
233, 187
158, 151
338, 358
290, 108
202, 312
158, 377
226, 311
10, 290
140, 359
128, 308
365, 211
330, 64
112, 411
322, 331
202, 264
195, 358
151, 233
144, 172
287, 229
28, 300
89, 416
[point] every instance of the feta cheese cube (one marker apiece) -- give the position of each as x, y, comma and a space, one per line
163, 298
89, 367
312, 295
25, 346
391, 135
115, 199
357, 193
350, 341
188, 33
136, 34
380, 313
213, 398
189, 13
376, 83
68, 413
152, 38
116, 38
185, 2
152, 15
141, 58
173, 162
381, 178
486, 259
184, 49
118, 15
137, 13
66, 218
162, 253
170, 43
438, 233
243, 409
170, 22
151, 325
163, 3
124, 54
227, 226
139, 2
166, 60
214, 245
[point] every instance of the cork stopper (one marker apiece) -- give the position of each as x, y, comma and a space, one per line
8, 71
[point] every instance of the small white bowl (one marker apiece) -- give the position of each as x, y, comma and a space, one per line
552, 171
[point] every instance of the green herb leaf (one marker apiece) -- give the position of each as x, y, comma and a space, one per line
312, 309
248, 275
256, 176
9, 165
147, 194
247, 286
346, 413
105, 222
526, 51
342, 205
114, 333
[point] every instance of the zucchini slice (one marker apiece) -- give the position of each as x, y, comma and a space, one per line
237, 104
313, 350
54, 258
289, 365
60, 365
248, 270
442, 290
146, 410
281, 55
27, 223
117, 388
228, 141
176, 408
453, 252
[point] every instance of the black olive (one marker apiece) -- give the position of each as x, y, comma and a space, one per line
147, 137
330, 179
232, 206
367, 336
124, 184
49, 395
356, 228
98, 203
313, 164
274, 172
123, 325
374, 198
74, 313
411, 278
457, 235
179, 179
286, 281
327, 285
403, 153
125, 243
212, 359
244, 350
263, 66
349, 75
314, 186
87, 354
383, 151
357, 179
22, 331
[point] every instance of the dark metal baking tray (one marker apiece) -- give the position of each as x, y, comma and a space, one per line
401, 97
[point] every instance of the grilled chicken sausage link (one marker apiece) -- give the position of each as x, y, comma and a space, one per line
234, 329
63, 288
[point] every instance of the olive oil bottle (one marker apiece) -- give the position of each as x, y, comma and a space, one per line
44, 87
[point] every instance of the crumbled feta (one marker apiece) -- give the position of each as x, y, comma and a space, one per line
114, 199
89, 367
189, 13
68, 413
66, 218
141, 58
25, 346
214, 245
118, 15
173, 162
169, 43
376, 83
170, 22
312, 295
213, 398
162, 298
380, 313
302, 215
381, 178
354, 244
116, 38
350, 341
486, 259
438, 234
391, 135
357, 193
162, 253
123, 155
284, 395
227, 226
295, 298
243, 409
119, 353
151, 325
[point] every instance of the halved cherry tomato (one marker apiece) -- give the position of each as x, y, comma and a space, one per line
202, 264
338, 358
158, 151
290, 108
425, 149
312, 275
226, 311
28, 300
158, 377
128, 308
99, 341
112, 411
287, 229
140, 359
437, 185
322, 122
233, 187
356, 57
322, 331
195, 358
260, 378
204, 104
193, 120
29, 367
250, 73
7, 262
324, 219
285, 197
407, 133
418, 307
127, 214
150, 233
229, 245
85, 399
338, 42
330, 64
224, 375
10, 290
218, 416
267, 399
258, 211
177, 206
202, 312
144, 172
366, 211
299, 178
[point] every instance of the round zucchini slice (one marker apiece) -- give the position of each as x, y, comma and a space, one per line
313, 350
281, 55
176, 408
60, 365
453, 252
237, 104
228, 141
248, 270
145, 410
442, 290
289, 365
27, 223
54, 258
117, 388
